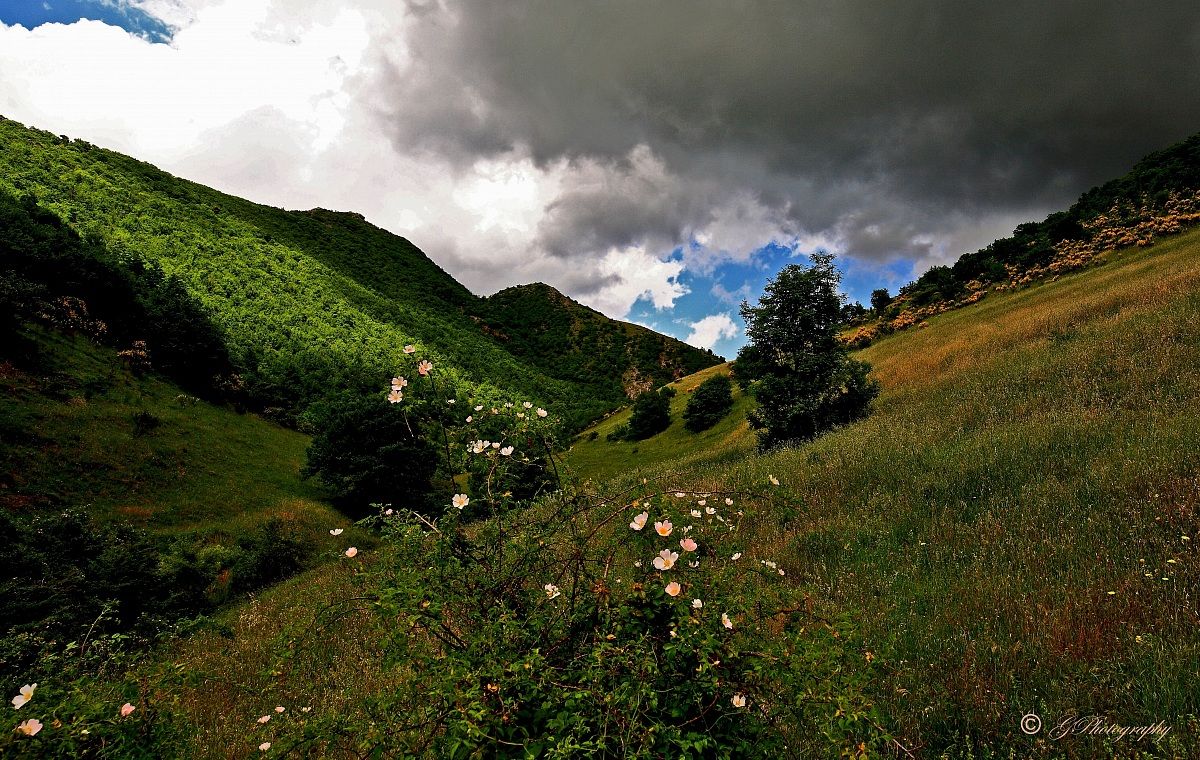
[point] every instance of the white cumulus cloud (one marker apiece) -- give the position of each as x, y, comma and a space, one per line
707, 331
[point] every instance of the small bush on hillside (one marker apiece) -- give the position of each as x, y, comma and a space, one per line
800, 373
709, 403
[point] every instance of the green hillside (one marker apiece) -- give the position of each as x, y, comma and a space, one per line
1016, 524
310, 303
565, 339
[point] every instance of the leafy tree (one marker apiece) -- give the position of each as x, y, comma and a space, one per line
708, 404
368, 451
799, 372
880, 299
651, 415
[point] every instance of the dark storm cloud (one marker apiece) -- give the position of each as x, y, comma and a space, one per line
887, 124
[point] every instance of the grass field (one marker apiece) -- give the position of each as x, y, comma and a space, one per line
1015, 525
72, 437
1012, 530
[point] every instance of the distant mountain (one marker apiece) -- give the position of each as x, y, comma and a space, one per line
313, 303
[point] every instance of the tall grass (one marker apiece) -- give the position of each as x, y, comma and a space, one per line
1015, 526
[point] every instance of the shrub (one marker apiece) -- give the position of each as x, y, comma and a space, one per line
369, 451
709, 403
550, 631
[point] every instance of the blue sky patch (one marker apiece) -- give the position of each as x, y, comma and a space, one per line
33, 13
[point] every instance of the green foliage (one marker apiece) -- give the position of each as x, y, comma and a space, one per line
68, 578
880, 298
651, 415
367, 451
1173, 170
314, 303
803, 380
547, 631
710, 402
56, 278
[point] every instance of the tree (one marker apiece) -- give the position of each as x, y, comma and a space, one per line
708, 404
369, 452
880, 299
798, 371
651, 415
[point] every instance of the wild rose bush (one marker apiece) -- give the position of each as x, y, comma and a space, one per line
632, 625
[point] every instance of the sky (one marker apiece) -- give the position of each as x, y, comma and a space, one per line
658, 161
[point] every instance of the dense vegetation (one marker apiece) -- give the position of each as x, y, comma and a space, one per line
311, 304
798, 370
711, 401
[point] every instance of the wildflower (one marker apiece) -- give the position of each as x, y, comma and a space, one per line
542, 412
694, 563
280, 709
451, 401
666, 560
697, 604
395, 397
495, 445
264, 746
688, 545
459, 500
508, 405
24, 696
702, 502
673, 589
127, 710
772, 565
520, 415
774, 480
336, 531
30, 727
305, 709
728, 502
639, 521
710, 510
527, 405
679, 494
424, 367
479, 408
695, 513
725, 621
551, 591
736, 556
637, 563
506, 451
352, 552
399, 383
663, 528
469, 419
389, 512
410, 349
739, 700
264, 719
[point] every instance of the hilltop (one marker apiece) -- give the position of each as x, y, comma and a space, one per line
316, 302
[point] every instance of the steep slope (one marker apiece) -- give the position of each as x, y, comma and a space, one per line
1159, 196
565, 339
307, 301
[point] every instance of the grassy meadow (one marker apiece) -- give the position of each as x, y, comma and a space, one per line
1015, 526
82, 429
1013, 530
